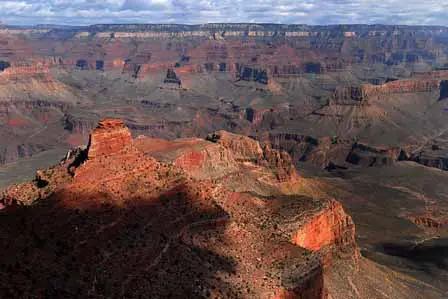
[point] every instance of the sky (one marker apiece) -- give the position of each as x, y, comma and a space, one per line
86, 12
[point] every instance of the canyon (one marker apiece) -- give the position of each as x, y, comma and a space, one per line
224, 161
124, 217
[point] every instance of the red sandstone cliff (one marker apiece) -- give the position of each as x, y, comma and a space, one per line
332, 230
109, 138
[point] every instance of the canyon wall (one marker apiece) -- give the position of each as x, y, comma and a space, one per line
331, 229
265, 50
363, 93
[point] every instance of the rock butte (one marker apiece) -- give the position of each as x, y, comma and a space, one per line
109, 138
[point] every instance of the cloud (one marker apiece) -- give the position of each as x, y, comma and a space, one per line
146, 5
83, 12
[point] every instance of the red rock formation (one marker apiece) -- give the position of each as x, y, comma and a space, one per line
332, 228
109, 138
119, 179
198, 157
244, 148
280, 161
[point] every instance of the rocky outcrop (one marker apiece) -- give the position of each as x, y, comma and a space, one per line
331, 228
244, 148
29, 83
109, 138
216, 161
298, 146
201, 159
280, 162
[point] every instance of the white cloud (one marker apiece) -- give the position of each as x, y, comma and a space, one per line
428, 12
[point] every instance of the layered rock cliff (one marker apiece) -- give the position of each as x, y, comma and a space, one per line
109, 138
277, 50
332, 229
362, 94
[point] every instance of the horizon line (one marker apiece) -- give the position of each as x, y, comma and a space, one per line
224, 23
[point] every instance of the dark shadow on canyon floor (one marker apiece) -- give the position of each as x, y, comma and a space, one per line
426, 261
434, 252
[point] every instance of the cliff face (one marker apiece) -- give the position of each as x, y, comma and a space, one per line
32, 82
109, 138
362, 94
331, 228
245, 149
